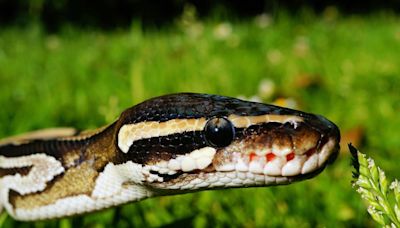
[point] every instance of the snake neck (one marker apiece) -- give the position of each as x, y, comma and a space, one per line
92, 147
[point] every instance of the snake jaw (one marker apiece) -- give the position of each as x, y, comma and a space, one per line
263, 154
244, 173
238, 166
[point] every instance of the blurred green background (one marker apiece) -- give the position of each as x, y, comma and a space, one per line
82, 71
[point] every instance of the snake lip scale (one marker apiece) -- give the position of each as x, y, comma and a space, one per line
167, 145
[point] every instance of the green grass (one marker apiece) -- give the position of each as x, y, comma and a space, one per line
85, 78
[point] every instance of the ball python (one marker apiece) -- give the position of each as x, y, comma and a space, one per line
167, 145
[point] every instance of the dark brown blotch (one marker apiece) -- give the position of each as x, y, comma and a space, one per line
305, 138
23, 171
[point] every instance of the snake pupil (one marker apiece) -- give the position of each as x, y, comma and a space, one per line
219, 132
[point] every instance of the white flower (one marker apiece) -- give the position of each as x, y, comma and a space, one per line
222, 31
263, 20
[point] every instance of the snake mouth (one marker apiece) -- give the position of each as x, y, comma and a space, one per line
282, 163
216, 175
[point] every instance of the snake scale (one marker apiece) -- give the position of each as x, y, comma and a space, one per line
167, 145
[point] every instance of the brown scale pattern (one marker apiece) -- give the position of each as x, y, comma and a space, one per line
77, 179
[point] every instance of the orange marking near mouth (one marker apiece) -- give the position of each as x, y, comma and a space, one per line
269, 157
252, 156
290, 156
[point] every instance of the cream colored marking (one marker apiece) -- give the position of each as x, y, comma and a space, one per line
111, 179
197, 159
223, 179
281, 150
117, 184
130, 133
247, 121
44, 168
311, 164
274, 167
188, 164
227, 167
174, 165
325, 152
293, 167
83, 203
256, 167
74, 181
241, 166
49, 133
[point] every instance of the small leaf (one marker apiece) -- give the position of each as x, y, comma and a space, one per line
362, 159
376, 205
383, 181
365, 194
373, 170
397, 212
376, 216
396, 188
384, 204
363, 182
364, 171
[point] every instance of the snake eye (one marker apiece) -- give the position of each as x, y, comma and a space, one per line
219, 132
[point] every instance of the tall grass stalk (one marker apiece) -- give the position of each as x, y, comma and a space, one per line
371, 183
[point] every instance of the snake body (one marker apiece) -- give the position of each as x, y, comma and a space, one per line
166, 145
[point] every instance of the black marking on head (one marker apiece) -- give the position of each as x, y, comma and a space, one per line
164, 147
192, 105
55, 148
167, 177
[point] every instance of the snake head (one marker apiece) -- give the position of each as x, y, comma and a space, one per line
190, 142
